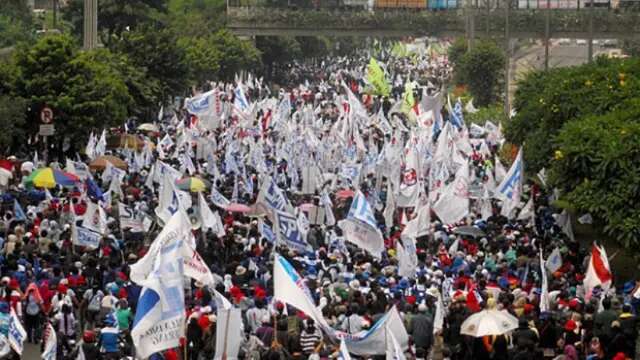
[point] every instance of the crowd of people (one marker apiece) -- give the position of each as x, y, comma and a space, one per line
323, 143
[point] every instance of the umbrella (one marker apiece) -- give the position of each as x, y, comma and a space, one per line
49, 178
101, 162
489, 322
306, 206
235, 207
192, 184
345, 193
469, 230
148, 127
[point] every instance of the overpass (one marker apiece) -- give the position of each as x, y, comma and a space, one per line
588, 23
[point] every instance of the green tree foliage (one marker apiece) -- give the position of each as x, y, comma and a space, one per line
144, 90
278, 49
597, 165
493, 113
196, 18
158, 53
12, 120
631, 47
83, 93
117, 16
15, 22
481, 69
545, 101
456, 51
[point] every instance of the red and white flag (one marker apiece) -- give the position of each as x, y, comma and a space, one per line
598, 271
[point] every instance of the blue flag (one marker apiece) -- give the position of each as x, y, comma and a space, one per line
18, 212
289, 232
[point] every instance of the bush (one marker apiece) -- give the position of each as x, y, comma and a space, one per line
597, 166
545, 101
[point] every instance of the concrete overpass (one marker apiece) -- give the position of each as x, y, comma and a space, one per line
471, 22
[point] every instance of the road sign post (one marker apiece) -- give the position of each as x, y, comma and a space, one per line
46, 129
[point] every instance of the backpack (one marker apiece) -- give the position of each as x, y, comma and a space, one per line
95, 302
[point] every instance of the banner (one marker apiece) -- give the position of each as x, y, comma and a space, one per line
84, 237
288, 232
129, 219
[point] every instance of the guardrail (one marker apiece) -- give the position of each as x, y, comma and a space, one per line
563, 23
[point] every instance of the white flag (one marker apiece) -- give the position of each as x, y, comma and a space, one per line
554, 262
229, 334
453, 204
50, 343
544, 296
394, 350
17, 334
160, 315
210, 220
95, 219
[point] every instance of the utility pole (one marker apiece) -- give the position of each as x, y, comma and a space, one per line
590, 49
90, 38
507, 52
547, 35
55, 13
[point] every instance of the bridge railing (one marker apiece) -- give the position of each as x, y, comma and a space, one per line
563, 22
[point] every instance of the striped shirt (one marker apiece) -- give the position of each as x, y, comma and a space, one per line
309, 340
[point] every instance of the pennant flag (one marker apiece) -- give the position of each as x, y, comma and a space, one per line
210, 220
273, 197
290, 288
17, 334
50, 343
325, 201
95, 219
196, 268
171, 200
89, 150
453, 204
407, 257
375, 77
361, 228
288, 231
438, 318
598, 272
373, 341
218, 199
527, 212
101, 145
160, 315
266, 232
240, 100
554, 262
510, 189
410, 184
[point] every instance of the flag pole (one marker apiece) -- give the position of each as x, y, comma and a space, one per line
226, 333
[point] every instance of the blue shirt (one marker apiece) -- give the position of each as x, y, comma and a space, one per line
109, 339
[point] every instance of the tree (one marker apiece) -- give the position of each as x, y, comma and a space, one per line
597, 166
455, 54
117, 16
15, 22
144, 90
545, 101
83, 93
12, 120
482, 69
157, 52
235, 55
196, 18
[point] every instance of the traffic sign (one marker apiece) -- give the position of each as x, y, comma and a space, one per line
47, 130
46, 115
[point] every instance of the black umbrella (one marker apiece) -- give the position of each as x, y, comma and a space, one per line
469, 230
